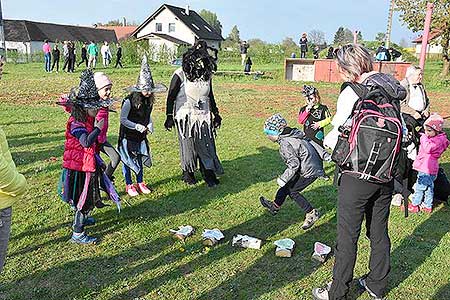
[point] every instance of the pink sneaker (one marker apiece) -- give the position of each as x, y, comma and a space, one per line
413, 208
143, 188
131, 190
426, 209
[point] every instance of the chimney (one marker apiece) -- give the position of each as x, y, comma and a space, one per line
187, 10
124, 22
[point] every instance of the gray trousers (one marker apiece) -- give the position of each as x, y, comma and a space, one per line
5, 230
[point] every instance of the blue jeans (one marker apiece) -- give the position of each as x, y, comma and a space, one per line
424, 190
48, 59
127, 173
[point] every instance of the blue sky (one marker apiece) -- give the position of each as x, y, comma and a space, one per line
268, 20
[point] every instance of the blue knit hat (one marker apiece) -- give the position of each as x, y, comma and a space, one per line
275, 125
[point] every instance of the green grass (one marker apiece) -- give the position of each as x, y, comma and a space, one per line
137, 257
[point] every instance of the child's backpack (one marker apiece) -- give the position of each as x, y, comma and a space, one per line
368, 149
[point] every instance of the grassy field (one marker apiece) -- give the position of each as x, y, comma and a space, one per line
138, 258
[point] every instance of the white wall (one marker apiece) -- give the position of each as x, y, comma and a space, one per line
158, 43
19, 46
182, 32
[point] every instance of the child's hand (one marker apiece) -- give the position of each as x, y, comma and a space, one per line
99, 123
315, 125
140, 128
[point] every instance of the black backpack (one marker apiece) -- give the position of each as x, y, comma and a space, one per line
368, 149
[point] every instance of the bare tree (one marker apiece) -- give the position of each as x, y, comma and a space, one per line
317, 37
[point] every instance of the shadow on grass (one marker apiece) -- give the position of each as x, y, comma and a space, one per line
421, 243
99, 273
443, 293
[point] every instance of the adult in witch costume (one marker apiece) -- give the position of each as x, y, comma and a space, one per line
83, 169
135, 124
191, 107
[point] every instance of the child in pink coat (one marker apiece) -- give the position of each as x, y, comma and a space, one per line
432, 144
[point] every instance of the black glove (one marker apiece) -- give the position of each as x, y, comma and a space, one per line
169, 123
217, 122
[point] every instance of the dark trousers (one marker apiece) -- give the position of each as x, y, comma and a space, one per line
5, 230
71, 66
357, 199
118, 62
114, 158
78, 222
293, 189
303, 54
66, 63
83, 60
55, 62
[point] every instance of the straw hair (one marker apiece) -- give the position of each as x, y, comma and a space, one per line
413, 70
353, 61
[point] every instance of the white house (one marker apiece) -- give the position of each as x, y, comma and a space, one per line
27, 37
170, 26
434, 47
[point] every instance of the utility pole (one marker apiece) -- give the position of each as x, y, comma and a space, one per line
2, 35
389, 25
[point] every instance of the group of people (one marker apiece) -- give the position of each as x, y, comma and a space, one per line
191, 109
89, 54
387, 54
358, 197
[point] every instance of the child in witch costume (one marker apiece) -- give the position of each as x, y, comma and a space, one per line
135, 124
303, 159
191, 107
82, 166
104, 85
314, 116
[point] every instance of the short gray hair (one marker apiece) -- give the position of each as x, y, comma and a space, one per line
412, 70
354, 60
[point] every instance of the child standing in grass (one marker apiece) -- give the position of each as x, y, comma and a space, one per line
104, 85
303, 159
433, 142
79, 185
135, 124
314, 116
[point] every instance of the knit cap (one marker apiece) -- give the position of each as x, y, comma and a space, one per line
275, 125
435, 121
101, 80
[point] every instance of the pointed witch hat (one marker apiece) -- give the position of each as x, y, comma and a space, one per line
145, 81
86, 94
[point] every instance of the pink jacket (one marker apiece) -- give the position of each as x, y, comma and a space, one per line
429, 152
46, 48
103, 113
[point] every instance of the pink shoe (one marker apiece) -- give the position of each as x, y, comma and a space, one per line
413, 208
426, 209
143, 188
131, 190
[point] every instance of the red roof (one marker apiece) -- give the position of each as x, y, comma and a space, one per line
122, 32
433, 34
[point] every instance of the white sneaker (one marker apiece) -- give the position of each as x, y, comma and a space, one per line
321, 293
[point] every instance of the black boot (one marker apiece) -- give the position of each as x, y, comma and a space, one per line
189, 178
210, 178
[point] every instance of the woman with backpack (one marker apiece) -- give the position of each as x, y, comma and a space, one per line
359, 198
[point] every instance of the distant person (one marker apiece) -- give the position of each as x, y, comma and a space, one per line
106, 54
303, 45
84, 58
293, 55
330, 54
66, 55
12, 187
316, 51
415, 107
119, 56
395, 54
92, 51
47, 56
244, 50
382, 53
248, 65
56, 54
72, 57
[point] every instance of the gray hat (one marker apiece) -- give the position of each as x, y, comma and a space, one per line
145, 81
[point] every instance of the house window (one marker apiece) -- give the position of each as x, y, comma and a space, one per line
158, 27
171, 27
195, 26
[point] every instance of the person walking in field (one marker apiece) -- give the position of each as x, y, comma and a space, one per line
92, 51
84, 58
56, 54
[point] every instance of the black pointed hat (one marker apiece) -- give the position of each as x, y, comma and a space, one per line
145, 80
